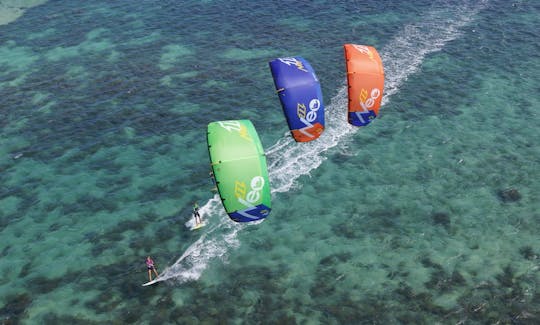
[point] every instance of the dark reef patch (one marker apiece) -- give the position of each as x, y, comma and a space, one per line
401, 271
104, 303
326, 274
335, 258
261, 245
25, 270
98, 248
427, 262
528, 253
506, 279
346, 229
509, 301
113, 236
414, 302
130, 315
3, 222
92, 203
5, 251
55, 226
344, 312
51, 318
168, 231
15, 308
41, 284
443, 282
441, 219
440, 280
385, 218
509, 195
125, 225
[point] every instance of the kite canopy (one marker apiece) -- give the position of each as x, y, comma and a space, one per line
300, 95
239, 167
365, 77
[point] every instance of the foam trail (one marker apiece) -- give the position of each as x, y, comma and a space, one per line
402, 56
217, 239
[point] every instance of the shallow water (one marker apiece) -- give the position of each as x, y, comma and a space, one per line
430, 214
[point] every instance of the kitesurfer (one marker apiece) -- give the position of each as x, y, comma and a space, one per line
151, 267
196, 214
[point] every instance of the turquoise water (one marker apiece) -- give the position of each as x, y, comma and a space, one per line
428, 215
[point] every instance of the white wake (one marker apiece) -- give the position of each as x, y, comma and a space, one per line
402, 56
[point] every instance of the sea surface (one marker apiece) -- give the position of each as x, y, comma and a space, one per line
429, 215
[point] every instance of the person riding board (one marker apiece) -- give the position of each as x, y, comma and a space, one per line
196, 214
151, 267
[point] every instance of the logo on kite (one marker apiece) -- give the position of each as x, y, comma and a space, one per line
293, 62
235, 126
365, 50
254, 195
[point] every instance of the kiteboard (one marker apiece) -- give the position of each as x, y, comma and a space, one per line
150, 283
199, 226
